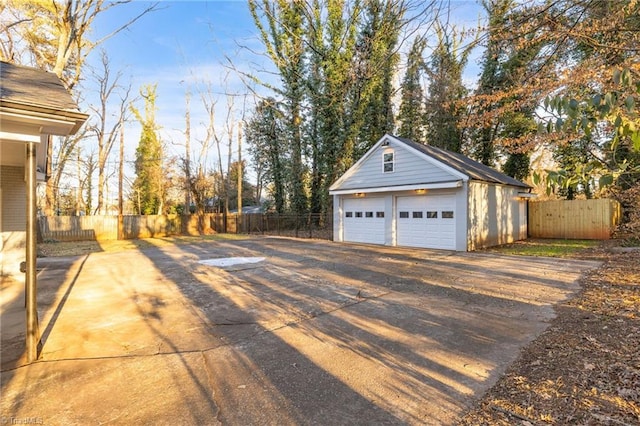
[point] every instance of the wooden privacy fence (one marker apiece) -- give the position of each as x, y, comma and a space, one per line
574, 219
90, 228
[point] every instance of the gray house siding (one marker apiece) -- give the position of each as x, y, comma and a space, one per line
409, 169
13, 197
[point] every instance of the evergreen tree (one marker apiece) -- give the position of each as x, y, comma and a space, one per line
268, 147
504, 121
443, 112
411, 115
491, 80
149, 183
574, 157
516, 126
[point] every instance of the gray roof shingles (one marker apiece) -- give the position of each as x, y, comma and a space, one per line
34, 87
463, 164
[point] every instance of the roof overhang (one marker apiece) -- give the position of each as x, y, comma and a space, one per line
398, 188
25, 123
17, 117
527, 195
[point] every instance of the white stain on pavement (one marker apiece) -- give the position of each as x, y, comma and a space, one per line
230, 261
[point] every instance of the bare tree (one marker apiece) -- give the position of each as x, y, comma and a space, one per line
106, 131
187, 151
65, 148
201, 184
54, 36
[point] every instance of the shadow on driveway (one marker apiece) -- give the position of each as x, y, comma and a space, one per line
318, 333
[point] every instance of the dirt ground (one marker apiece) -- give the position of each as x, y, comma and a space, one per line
585, 369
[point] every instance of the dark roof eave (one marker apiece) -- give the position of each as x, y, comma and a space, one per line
463, 164
521, 185
45, 112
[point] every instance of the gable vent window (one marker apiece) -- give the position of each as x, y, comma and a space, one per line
387, 162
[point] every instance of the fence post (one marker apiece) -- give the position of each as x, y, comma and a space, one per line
120, 227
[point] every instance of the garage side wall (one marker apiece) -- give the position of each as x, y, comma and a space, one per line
337, 219
496, 215
13, 199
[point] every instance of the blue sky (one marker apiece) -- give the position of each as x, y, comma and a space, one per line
178, 47
181, 44
184, 43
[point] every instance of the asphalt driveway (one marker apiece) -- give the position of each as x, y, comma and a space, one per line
316, 333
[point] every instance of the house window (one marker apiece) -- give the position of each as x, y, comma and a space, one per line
368, 214
358, 214
432, 215
404, 215
348, 214
447, 215
417, 215
379, 214
387, 162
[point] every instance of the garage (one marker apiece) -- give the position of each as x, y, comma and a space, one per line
364, 220
402, 193
426, 221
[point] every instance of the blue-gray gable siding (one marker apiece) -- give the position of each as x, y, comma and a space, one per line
409, 169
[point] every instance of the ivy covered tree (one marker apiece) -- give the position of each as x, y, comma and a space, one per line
281, 26
332, 35
148, 187
376, 60
336, 60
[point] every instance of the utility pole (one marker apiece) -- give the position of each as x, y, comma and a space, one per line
120, 179
79, 189
187, 161
239, 173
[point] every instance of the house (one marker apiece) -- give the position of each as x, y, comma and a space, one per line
402, 193
33, 105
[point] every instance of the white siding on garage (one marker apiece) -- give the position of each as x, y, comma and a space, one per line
427, 221
409, 169
363, 220
496, 215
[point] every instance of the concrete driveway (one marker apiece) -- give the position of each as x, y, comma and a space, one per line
316, 333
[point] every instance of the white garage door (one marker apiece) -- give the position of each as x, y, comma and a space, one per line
363, 220
426, 221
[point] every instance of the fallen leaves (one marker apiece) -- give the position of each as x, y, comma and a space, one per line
585, 368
